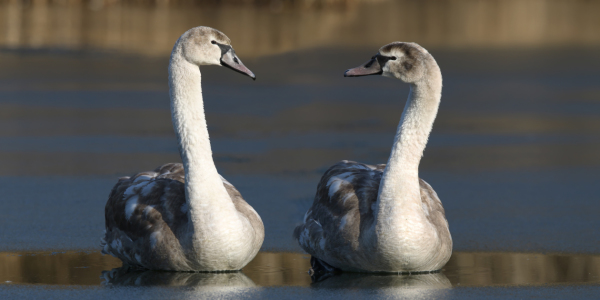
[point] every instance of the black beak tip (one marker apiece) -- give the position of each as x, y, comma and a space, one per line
349, 75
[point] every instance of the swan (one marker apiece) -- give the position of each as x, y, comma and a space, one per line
185, 217
384, 218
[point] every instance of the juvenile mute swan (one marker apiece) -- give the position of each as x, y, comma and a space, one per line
185, 217
384, 218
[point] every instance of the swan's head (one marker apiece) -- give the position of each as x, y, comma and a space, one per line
405, 61
207, 46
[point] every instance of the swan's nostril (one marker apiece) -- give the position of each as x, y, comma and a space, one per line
236, 60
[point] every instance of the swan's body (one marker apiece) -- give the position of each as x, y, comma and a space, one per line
185, 217
384, 218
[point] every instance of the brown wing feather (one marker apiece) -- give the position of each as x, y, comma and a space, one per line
142, 205
344, 199
146, 218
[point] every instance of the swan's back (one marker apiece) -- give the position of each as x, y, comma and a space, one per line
342, 211
147, 221
341, 207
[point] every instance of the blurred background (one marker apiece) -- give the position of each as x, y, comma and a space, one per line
514, 153
267, 27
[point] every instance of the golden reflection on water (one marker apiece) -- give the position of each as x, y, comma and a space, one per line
290, 269
258, 30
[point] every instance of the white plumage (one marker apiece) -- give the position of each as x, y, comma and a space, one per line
384, 218
185, 217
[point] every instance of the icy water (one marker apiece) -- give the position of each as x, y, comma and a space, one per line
514, 153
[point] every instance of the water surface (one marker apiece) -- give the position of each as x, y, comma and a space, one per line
271, 269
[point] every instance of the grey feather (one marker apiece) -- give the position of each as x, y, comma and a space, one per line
149, 237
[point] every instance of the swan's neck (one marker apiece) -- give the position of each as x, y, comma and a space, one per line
204, 188
399, 197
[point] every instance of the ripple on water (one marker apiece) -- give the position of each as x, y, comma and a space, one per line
291, 269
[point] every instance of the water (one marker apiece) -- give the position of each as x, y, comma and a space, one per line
513, 154
280, 269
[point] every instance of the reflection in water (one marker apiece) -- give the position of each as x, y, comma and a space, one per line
426, 286
377, 281
63, 268
279, 269
125, 276
258, 30
291, 269
521, 268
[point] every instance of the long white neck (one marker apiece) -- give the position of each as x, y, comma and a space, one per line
204, 187
399, 196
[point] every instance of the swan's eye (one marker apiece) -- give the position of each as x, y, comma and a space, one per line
393, 58
213, 42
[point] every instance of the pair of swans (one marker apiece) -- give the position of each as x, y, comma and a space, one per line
186, 217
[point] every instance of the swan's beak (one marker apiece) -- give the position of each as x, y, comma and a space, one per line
372, 67
231, 61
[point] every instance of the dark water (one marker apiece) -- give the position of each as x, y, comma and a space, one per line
514, 153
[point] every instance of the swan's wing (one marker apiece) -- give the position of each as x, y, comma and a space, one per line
147, 213
246, 211
342, 206
435, 213
342, 209
144, 215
